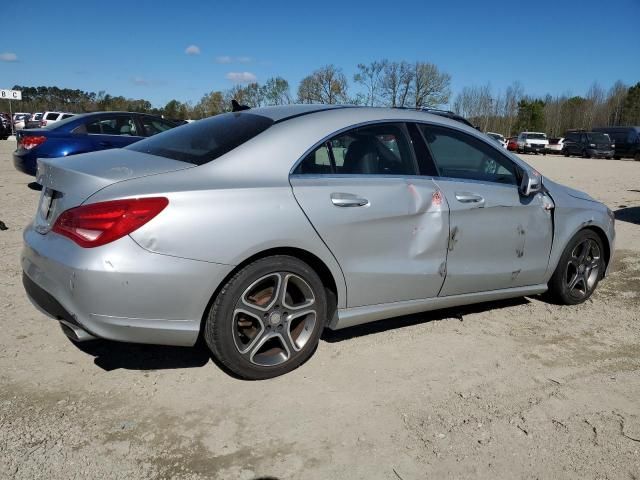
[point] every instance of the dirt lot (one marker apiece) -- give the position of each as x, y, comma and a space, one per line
514, 389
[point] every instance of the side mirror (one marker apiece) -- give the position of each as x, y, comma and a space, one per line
531, 182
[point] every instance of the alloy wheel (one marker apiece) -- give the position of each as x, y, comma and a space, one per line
274, 319
583, 268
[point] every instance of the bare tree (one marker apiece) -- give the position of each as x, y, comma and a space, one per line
370, 77
397, 79
276, 91
615, 103
431, 88
326, 85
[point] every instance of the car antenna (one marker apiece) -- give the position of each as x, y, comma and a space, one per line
236, 107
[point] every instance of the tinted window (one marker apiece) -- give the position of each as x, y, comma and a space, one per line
374, 150
317, 162
458, 155
51, 116
153, 126
117, 125
599, 138
205, 140
67, 115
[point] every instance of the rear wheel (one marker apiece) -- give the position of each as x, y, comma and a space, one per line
268, 318
565, 152
579, 270
637, 157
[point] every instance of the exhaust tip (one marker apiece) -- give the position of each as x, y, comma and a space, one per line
75, 333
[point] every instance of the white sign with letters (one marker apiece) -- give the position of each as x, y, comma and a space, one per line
10, 95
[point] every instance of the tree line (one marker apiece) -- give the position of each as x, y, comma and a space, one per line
379, 83
513, 111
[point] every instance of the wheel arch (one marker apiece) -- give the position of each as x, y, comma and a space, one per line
605, 242
323, 271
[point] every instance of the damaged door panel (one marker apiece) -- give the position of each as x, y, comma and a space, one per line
391, 248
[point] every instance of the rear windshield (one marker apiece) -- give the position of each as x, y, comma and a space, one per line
599, 138
205, 140
536, 136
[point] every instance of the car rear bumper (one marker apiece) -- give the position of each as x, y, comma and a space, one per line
119, 291
26, 163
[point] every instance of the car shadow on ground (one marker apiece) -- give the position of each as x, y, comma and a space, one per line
628, 214
381, 326
131, 356
111, 356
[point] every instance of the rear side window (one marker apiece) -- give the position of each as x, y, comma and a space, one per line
52, 116
153, 126
205, 140
67, 115
372, 150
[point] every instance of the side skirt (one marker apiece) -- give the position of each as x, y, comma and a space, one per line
348, 317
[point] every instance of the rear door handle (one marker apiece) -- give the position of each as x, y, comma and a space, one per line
348, 200
466, 197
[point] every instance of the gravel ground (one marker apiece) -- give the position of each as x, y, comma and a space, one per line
512, 389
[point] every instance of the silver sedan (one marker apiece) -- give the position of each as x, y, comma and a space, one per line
258, 229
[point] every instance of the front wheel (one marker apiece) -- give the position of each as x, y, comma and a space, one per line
268, 318
579, 270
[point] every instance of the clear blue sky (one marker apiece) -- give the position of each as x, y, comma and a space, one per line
137, 48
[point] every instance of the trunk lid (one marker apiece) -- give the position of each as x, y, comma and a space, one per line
67, 182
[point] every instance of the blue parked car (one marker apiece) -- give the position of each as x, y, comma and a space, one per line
84, 133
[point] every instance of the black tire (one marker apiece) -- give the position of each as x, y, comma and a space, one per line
565, 152
637, 157
560, 284
616, 157
585, 154
228, 329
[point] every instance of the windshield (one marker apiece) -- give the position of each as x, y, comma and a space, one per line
536, 136
205, 140
599, 138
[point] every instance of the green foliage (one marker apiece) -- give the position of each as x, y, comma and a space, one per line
631, 108
530, 115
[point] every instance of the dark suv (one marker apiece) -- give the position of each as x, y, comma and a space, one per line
626, 139
588, 145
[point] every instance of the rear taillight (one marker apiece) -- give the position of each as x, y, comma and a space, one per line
43, 123
100, 223
28, 142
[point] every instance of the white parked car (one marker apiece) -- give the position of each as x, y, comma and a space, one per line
555, 145
532, 142
19, 120
52, 117
498, 138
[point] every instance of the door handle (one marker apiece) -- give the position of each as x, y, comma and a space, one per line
348, 200
466, 197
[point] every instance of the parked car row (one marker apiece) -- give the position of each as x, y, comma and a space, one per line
601, 142
68, 134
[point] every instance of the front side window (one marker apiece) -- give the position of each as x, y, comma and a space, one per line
117, 125
371, 150
458, 155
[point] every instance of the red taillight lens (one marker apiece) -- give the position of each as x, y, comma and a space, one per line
28, 142
43, 123
100, 223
